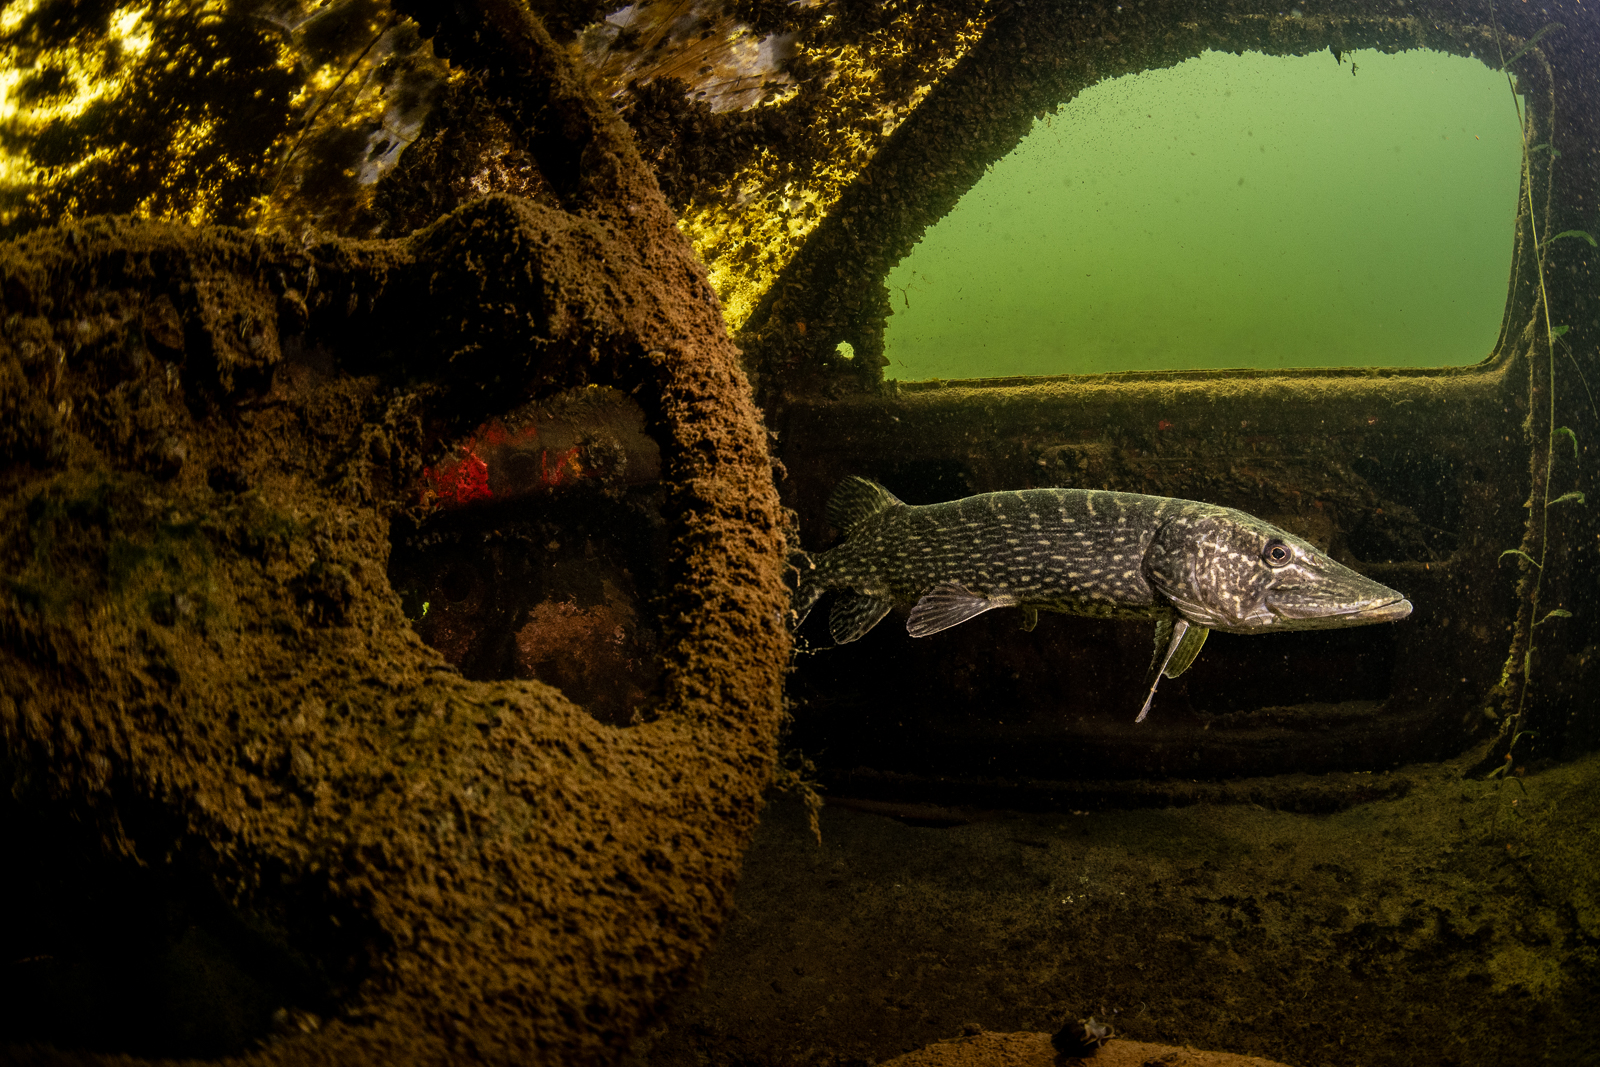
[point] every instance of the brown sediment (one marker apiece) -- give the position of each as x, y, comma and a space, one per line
988, 1049
206, 435
594, 653
1363, 935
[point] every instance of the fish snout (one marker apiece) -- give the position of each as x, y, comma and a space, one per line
1393, 611
1328, 614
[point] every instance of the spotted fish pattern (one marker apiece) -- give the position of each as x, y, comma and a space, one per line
1191, 567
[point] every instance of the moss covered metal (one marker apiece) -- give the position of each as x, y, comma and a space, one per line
206, 434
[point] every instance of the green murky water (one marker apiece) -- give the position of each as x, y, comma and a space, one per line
1232, 211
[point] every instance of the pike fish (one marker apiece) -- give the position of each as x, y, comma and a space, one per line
1188, 566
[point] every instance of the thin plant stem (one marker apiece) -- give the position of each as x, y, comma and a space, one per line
1550, 387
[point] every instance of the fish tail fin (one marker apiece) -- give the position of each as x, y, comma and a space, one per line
808, 590
855, 500
804, 600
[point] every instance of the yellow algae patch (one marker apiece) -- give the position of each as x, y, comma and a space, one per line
206, 112
155, 109
748, 237
363, 102
836, 83
43, 85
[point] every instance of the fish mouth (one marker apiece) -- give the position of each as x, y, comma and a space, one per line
1391, 610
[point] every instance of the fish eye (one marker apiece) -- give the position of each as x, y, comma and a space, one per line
1276, 554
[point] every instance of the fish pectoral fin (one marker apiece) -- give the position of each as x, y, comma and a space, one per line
1188, 648
1030, 619
854, 614
950, 604
1176, 631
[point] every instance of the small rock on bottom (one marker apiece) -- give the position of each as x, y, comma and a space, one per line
988, 1049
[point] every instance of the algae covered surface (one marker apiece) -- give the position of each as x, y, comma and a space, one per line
218, 730
1455, 924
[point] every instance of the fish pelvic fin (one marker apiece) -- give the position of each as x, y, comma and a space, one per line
854, 614
950, 604
1178, 642
855, 500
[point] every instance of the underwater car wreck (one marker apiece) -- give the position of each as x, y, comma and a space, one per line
395, 655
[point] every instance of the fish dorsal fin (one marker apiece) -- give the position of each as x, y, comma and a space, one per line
854, 614
856, 500
950, 604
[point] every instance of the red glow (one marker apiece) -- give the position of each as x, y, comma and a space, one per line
552, 474
463, 476
458, 481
